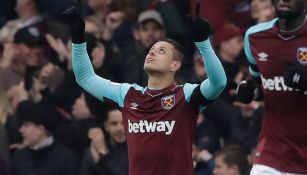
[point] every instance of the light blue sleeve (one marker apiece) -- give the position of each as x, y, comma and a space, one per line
188, 90
92, 83
249, 55
247, 46
216, 81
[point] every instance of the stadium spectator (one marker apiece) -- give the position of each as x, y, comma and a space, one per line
28, 16
108, 154
262, 10
28, 49
225, 11
42, 154
231, 160
229, 44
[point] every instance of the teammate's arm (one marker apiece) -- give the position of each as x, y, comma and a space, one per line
295, 76
249, 90
82, 67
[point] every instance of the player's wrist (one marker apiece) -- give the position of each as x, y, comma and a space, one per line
78, 39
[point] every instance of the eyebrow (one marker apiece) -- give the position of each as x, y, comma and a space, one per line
159, 46
164, 47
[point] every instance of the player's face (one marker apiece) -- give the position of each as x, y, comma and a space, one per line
221, 168
32, 134
98, 56
160, 59
115, 126
80, 109
289, 9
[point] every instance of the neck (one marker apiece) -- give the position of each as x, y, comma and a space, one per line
157, 82
46, 141
291, 25
27, 14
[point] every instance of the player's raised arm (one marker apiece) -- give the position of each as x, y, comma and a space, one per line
216, 82
82, 67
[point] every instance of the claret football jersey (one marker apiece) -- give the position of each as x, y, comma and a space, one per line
160, 126
283, 141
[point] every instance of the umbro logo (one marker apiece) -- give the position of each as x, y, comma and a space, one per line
257, 154
134, 106
263, 56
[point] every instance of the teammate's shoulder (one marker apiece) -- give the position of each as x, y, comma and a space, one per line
261, 27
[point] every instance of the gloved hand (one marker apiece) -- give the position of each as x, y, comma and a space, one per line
295, 76
247, 91
200, 28
76, 23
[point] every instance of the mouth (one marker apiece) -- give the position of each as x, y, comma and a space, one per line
149, 60
283, 7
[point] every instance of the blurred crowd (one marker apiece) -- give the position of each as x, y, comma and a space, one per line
50, 126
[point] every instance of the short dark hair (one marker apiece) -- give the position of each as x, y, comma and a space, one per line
179, 54
108, 110
235, 155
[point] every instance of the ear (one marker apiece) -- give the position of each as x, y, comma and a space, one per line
43, 129
136, 34
106, 126
223, 45
24, 49
175, 66
163, 33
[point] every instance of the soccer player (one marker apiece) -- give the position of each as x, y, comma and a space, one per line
277, 53
159, 119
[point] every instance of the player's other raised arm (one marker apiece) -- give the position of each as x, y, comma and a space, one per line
216, 82
82, 67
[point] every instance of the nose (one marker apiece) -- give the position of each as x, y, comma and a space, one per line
152, 53
21, 129
214, 171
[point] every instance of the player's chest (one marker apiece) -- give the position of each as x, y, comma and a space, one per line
272, 53
160, 107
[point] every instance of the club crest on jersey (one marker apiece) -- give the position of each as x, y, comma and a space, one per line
168, 102
302, 55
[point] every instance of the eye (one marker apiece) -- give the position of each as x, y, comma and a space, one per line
161, 51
